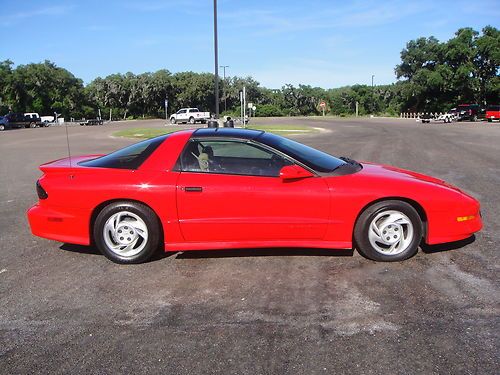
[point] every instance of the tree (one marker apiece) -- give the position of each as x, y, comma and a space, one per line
440, 75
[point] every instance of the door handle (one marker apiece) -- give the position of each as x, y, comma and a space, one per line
193, 189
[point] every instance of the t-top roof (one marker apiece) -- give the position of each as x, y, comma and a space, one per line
227, 132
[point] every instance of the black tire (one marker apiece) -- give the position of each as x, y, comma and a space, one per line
32, 125
192, 120
132, 208
2, 127
172, 120
362, 228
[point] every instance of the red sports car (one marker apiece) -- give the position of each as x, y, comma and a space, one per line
232, 188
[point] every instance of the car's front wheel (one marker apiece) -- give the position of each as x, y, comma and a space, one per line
172, 120
127, 232
388, 231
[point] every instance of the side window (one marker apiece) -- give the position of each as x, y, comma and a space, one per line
182, 111
231, 157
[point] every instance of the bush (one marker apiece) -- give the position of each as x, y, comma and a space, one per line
268, 110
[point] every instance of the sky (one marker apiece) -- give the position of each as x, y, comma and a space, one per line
325, 43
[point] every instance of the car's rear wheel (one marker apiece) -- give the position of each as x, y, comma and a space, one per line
127, 232
388, 231
2, 127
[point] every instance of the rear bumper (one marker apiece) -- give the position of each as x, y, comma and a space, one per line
60, 224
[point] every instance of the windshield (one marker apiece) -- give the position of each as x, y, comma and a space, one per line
314, 159
130, 157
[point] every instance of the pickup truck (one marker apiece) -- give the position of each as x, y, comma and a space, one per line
20, 120
469, 112
191, 115
493, 113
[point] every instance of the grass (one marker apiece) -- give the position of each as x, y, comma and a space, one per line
143, 133
282, 129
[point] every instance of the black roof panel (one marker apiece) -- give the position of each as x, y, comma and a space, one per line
227, 132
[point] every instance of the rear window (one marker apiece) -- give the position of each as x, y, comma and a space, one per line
130, 157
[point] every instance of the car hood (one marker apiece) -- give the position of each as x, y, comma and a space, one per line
387, 172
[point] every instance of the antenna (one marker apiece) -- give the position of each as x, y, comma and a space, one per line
67, 138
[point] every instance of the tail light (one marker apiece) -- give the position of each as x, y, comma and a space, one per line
42, 194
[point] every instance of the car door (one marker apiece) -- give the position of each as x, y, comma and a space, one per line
182, 115
230, 190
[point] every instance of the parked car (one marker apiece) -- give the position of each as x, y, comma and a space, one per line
222, 188
469, 112
191, 115
425, 118
90, 122
447, 117
493, 113
4, 123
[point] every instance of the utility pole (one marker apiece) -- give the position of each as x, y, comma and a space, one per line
225, 84
166, 108
373, 106
244, 106
216, 53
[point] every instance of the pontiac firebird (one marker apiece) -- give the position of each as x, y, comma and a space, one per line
236, 188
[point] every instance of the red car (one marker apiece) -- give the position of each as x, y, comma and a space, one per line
493, 113
233, 188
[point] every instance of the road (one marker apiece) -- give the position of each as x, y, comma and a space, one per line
67, 309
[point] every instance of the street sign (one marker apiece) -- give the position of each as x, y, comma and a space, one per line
250, 105
254, 108
322, 104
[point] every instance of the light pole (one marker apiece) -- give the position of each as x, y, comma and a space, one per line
224, 93
216, 53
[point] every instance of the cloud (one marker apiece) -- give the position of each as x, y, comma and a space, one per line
358, 14
49, 11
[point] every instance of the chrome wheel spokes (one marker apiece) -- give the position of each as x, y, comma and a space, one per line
390, 232
125, 233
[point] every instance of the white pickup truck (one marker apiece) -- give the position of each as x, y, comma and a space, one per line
191, 115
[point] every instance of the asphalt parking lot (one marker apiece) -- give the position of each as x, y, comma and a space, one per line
67, 309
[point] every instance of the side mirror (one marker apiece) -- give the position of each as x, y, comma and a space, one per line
294, 172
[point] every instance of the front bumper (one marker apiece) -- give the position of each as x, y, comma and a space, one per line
444, 227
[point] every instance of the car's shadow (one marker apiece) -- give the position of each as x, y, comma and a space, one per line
263, 252
222, 253
92, 250
266, 252
431, 249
